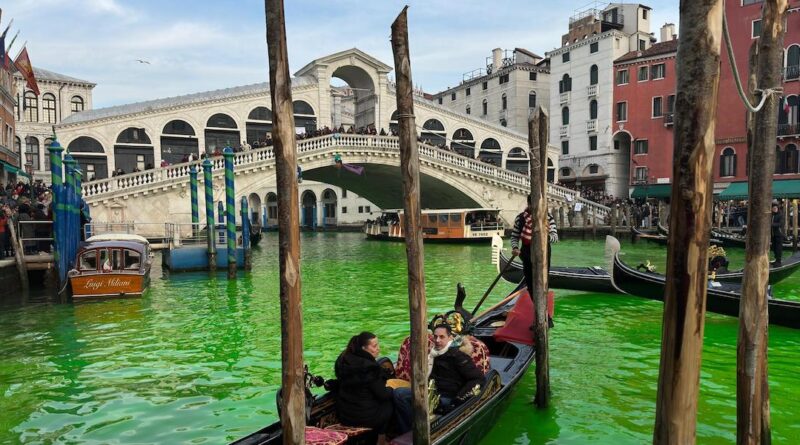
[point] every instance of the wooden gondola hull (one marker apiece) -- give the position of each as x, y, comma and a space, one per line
587, 279
722, 298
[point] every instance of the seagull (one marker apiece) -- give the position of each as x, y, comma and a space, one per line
142, 61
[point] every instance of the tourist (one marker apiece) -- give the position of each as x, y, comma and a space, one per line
362, 397
777, 232
523, 231
5, 213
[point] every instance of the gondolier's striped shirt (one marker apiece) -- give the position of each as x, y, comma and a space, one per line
524, 221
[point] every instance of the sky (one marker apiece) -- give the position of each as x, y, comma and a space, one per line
202, 45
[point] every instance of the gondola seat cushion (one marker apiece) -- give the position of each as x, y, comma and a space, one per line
319, 436
473, 347
351, 431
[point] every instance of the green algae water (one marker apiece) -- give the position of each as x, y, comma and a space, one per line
197, 359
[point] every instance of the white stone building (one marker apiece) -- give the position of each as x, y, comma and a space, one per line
60, 97
583, 120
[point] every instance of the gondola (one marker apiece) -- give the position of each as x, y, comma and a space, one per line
662, 230
469, 421
728, 239
721, 298
658, 239
589, 279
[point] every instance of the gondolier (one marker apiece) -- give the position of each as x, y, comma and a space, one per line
777, 232
521, 236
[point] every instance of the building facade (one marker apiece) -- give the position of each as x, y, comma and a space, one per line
9, 153
60, 97
585, 121
513, 84
647, 82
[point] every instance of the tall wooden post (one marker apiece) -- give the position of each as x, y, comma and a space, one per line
292, 409
698, 68
752, 388
409, 169
537, 144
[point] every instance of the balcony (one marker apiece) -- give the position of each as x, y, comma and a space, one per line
591, 126
591, 91
564, 98
563, 131
791, 72
788, 129
669, 119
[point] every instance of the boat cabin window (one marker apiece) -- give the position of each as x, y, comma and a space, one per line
105, 261
455, 219
88, 260
432, 219
116, 259
443, 219
132, 260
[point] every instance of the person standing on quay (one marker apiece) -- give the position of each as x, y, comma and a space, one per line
523, 231
777, 232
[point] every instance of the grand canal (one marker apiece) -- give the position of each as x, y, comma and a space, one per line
197, 360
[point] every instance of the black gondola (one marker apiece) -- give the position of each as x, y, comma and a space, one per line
469, 421
658, 238
729, 239
721, 298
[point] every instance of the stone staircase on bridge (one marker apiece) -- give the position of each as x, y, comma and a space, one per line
489, 185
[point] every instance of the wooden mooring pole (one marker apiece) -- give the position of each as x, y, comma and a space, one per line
698, 68
409, 170
752, 388
537, 144
292, 409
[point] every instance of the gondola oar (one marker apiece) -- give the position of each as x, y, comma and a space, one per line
488, 291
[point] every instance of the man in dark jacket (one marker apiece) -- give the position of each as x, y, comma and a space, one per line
453, 371
777, 232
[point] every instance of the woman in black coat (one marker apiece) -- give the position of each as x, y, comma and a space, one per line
363, 399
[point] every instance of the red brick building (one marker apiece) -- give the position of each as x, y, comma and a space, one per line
9, 154
645, 85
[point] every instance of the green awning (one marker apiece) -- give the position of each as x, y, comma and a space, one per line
11, 169
652, 191
787, 188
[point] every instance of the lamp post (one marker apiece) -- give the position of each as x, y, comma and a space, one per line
29, 171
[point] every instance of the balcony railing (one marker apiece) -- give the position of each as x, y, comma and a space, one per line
563, 131
791, 72
564, 98
788, 129
669, 119
591, 125
591, 90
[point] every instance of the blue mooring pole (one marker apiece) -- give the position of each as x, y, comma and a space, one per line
57, 180
230, 203
210, 232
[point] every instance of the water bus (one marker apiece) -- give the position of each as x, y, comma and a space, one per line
446, 225
111, 265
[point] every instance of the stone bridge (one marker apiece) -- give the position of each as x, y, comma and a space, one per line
449, 180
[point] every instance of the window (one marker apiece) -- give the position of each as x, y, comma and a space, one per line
88, 260
792, 62
469, 110
504, 102
32, 151
485, 85
727, 162
31, 106
76, 104
565, 57
565, 172
360, 209
368, 209
49, 108
532, 99
640, 147
565, 84
643, 71
532, 76
468, 92
756, 29
622, 111
642, 45
594, 47
622, 77
657, 71
644, 14
453, 96
592, 143
344, 193
485, 107
503, 79
593, 169
90, 172
503, 123
344, 210
671, 103
640, 174
565, 116
440, 101
140, 163
593, 109
593, 75
657, 108
790, 155
564, 147
132, 259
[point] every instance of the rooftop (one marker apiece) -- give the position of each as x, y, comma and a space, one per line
43, 74
657, 49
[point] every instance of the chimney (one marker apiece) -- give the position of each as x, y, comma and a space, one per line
667, 32
497, 58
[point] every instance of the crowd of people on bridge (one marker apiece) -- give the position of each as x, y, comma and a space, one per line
22, 202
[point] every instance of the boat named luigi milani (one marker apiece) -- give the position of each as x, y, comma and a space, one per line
111, 265
451, 225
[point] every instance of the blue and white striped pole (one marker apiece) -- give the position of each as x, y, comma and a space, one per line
230, 203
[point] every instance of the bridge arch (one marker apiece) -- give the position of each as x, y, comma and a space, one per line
221, 130
254, 207
304, 116
308, 209
491, 152
258, 125
178, 141
463, 143
434, 132
517, 160
329, 205
133, 150
362, 85
272, 209
90, 155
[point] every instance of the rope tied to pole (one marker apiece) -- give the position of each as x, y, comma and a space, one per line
778, 91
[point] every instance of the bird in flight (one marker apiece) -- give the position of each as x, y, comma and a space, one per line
143, 61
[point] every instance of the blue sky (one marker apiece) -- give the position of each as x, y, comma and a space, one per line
203, 45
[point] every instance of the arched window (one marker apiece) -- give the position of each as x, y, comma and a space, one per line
85, 144
31, 107
793, 62
565, 172
593, 109
790, 164
221, 120
76, 104
727, 162
180, 127
490, 152
304, 116
133, 136
178, 142
593, 75
485, 107
17, 145
433, 132
32, 152
565, 116
49, 108
260, 114
302, 107
463, 143
133, 151
258, 126
565, 84
504, 101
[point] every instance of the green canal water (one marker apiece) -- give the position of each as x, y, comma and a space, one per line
197, 359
